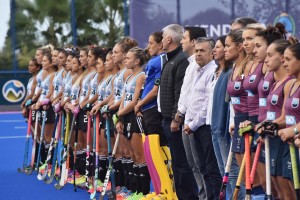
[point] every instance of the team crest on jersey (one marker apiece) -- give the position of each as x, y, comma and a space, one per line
266, 85
252, 78
274, 99
237, 85
295, 102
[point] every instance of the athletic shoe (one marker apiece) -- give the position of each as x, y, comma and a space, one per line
124, 194
78, 180
42, 168
135, 196
100, 188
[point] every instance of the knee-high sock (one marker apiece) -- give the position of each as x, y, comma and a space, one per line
138, 185
102, 167
144, 178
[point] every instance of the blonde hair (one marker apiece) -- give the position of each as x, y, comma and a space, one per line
256, 26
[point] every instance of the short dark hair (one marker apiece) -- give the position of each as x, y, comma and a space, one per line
195, 32
244, 21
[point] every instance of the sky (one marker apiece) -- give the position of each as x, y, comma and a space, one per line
4, 19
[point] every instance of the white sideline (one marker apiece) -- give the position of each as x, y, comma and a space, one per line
12, 137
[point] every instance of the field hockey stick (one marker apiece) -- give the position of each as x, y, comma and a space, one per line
246, 131
25, 158
240, 177
87, 158
32, 164
74, 154
222, 195
41, 176
268, 168
61, 140
295, 171
93, 194
64, 171
101, 197
55, 149
109, 151
255, 162
44, 113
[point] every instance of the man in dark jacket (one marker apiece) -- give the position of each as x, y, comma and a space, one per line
175, 64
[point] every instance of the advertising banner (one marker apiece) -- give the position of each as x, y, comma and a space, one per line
147, 16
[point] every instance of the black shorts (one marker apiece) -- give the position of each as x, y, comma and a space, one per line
82, 121
33, 115
50, 116
111, 123
130, 125
152, 123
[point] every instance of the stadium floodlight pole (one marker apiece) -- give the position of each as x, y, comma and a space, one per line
73, 22
178, 12
232, 9
13, 34
126, 25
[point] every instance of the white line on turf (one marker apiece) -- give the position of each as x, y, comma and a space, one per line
12, 137
10, 121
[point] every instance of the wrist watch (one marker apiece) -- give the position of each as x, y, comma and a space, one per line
296, 131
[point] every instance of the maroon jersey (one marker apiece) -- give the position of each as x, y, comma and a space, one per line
275, 100
264, 87
237, 94
292, 107
250, 84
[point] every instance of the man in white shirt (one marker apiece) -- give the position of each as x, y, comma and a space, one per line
195, 116
188, 46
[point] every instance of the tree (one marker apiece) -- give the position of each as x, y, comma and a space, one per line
40, 22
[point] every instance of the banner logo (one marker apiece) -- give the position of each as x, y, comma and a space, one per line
13, 91
288, 22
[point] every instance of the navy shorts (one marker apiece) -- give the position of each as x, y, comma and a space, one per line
276, 153
238, 142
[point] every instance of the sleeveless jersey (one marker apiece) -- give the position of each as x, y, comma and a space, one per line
39, 78
102, 88
237, 94
275, 100
94, 85
75, 89
29, 86
45, 87
119, 86
67, 88
85, 85
57, 82
130, 88
250, 85
67, 78
292, 108
264, 87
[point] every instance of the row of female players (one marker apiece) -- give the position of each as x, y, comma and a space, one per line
271, 95
79, 84
264, 91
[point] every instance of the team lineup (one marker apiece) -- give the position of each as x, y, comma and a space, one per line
189, 117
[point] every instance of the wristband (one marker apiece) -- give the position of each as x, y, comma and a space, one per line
45, 102
28, 102
57, 107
